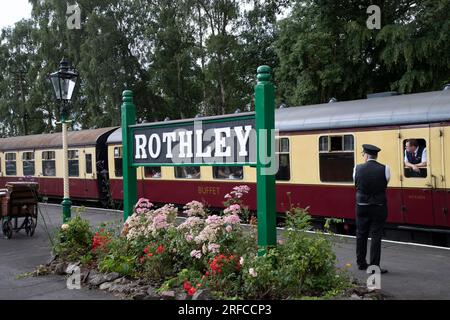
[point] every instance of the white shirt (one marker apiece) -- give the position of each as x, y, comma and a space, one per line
387, 171
424, 155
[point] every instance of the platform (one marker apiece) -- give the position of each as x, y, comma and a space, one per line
415, 271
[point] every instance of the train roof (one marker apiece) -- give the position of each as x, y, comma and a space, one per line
378, 111
54, 140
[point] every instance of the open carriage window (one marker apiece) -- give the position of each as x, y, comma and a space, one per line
118, 171
49, 163
415, 158
28, 163
152, 172
336, 158
187, 172
11, 166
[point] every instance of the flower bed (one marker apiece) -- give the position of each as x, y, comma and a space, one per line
208, 252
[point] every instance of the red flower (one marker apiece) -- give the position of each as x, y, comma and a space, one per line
160, 249
191, 291
186, 286
150, 254
146, 250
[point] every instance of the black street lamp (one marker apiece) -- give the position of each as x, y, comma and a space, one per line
64, 82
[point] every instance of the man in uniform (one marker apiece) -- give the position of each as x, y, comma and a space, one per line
415, 159
371, 179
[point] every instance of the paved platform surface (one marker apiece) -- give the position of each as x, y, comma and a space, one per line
415, 272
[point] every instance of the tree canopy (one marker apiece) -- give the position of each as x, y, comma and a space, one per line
189, 57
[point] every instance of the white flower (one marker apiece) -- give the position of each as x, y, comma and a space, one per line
65, 226
252, 272
197, 254
241, 261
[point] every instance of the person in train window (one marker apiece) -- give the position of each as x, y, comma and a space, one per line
415, 158
49, 170
371, 180
231, 173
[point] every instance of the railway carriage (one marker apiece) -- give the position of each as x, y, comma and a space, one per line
39, 158
319, 145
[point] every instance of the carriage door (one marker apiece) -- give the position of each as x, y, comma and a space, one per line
440, 193
417, 188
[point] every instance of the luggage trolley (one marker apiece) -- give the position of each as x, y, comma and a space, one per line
19, 200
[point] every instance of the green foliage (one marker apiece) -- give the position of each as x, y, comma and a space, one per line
303, 265
121, 257
73, 240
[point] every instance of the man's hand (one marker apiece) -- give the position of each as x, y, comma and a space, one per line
415, 168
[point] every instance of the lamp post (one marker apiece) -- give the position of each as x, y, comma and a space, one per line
64, 81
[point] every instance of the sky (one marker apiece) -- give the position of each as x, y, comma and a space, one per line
12, 11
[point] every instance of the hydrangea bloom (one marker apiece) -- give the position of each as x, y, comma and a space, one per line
232, 219
194, 208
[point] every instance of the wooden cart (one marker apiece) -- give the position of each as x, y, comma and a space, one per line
19, 200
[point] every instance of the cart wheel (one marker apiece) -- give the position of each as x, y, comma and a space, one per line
7, 229
30, 226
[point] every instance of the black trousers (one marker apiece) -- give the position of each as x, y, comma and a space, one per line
369, 219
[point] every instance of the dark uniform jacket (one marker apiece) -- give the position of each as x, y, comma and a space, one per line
412, 158
371, 183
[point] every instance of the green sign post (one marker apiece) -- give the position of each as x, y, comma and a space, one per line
142, 142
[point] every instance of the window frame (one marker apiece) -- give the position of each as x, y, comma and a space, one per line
421, 169
337, 152
86, 154
153, 167
33, 160
192, 178
12, 161
215, 168
279, 152
73, 155
48, 160
117, 157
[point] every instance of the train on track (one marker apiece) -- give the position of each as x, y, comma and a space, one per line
319, 145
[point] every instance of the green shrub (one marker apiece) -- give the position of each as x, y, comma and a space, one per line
73, 240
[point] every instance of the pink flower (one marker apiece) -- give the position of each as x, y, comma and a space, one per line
228, 228
189, 237
232, 219
214, 248
214, 220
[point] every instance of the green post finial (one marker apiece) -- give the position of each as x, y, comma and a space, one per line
127, 96
264, 74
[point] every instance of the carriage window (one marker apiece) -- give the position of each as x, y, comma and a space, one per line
187, 172
74, 164
336, 158
228, 173
49, 163
11, 168
284, 171
152, 172
88, 159
118, 162
28, 163
415, 158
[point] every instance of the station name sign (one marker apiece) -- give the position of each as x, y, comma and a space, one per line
220, 140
